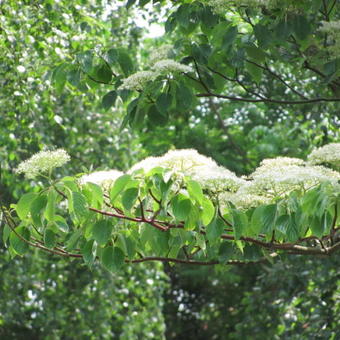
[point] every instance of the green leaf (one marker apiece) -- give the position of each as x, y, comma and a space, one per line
163, 102
125, 62
195, 191
49, 238
263, 35
61, 223
229, 37
36, 209
89, 252
301, 27
283, 29
103, 74
24, 204
282, 224
137, 115
193, 220
292, 230
112, 56
5, 233
101, 231
79, 206
256, 53
208, 211
112, 258
215, 230
269, 218
109, 100
59, 77
255, 72
226, 252
240, 223
326, 220
181, 207
96, 192
156, 117
73, 240
129, 198
85, 60
256, 222
51, 205
118, 186
310, 201
19, 246
316, 226
184, 97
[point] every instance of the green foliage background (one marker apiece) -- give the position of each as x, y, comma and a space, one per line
58, 101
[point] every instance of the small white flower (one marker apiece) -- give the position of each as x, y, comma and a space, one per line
217, 178
21, 69
222, 6
159, 53
102, 178
42, 162
279, 176
138, 80
188, 162
242, 200
329, 153
167, 66
183, 161
332, 28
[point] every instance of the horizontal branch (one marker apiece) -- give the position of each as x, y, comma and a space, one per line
194, 262
267, 100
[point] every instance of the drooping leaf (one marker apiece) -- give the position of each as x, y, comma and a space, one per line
109, 100
101, 231
119, 185
129, 198
49, 238
24, 204
240, 223
112, 258
208, 211
17, 240
181, 207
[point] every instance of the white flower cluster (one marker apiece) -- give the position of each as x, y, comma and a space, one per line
242, 200
102, 178
329, 153
279, 176
217, 179
159, 53
138, 80
188, 162
43, 162
167, 66
332, 28
222, 6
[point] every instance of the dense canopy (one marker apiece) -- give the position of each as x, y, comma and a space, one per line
199, 135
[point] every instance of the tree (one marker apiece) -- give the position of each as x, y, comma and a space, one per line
34, 37
273, 214
238, 134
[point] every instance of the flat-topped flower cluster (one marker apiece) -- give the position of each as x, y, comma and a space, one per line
273, 179
43, 162
138, 80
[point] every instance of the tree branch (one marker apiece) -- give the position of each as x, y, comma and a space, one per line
267, 100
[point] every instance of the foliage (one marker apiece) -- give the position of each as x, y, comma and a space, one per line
296, 299
47, 298
263, 80
181, 207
